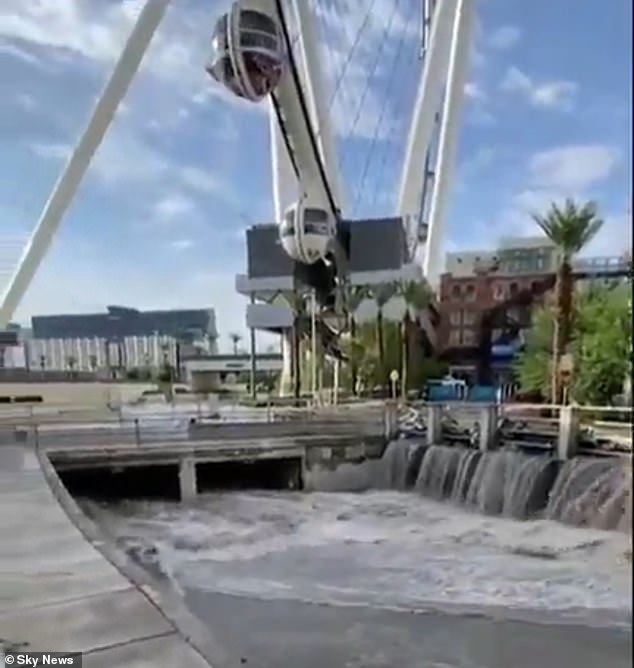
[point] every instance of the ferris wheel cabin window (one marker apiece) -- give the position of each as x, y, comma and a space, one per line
259, 41
315, 221
315, 216
257, 21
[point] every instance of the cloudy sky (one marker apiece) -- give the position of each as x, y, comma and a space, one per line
159, 221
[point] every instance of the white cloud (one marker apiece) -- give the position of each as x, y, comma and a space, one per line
25, 101
54, 150
18, 53
571, 171
474, 91
504, 37
573, 167
172, 207
96, 31
122, 158
201, 180
479, 113
556, 94
615, 237
182, 244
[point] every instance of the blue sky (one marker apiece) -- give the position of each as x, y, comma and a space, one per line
160, 218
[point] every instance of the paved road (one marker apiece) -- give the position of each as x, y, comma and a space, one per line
60, 594
270, 634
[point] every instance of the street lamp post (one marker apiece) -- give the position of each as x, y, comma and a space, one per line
313, 345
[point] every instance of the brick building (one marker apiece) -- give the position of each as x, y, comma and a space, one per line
474, 283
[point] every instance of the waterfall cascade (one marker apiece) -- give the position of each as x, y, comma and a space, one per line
584, 491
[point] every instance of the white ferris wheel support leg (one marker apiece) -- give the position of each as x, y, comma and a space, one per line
284, 181
316, 93
427, 105
66, 187
285, 192
448, 138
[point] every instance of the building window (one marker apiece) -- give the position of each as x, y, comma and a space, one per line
454, 337
513, 314
455, 318
514, 288
499, 292
456, 292
471, 293
469, 318
468, 337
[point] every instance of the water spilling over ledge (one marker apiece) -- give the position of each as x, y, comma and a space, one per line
584, 491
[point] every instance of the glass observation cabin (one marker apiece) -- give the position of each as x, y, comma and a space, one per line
305, 233
248, 53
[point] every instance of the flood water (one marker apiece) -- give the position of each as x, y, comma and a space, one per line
443, 575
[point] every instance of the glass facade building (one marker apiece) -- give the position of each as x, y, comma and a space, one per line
119, 322
121, 337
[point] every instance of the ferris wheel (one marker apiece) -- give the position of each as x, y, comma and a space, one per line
269, 49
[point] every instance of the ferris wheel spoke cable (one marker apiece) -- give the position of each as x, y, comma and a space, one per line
304, 107
351, 51
399, 108
373, 69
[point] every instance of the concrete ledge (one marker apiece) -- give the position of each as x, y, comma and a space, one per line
161, 594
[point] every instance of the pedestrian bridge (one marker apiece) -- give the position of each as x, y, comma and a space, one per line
601, 266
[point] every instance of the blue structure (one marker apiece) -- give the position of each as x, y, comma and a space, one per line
487, 394
503, 351
446, 390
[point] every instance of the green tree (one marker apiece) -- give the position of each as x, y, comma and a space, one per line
382, 295
534, 363
235, 340
356, 295
570, 227
601, 344
417, 296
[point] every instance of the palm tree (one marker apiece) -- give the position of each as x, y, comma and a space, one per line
355, 297
417, 296
382, 295
235, 340
570, 227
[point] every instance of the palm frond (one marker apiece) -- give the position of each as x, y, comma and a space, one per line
570, 226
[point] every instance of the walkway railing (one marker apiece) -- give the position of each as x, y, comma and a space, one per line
188, 428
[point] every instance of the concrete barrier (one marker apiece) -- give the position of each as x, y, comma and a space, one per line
285, 429
160, 593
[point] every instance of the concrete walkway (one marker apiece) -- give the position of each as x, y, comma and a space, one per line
59, 593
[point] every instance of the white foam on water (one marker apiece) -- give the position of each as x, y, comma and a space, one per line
378, 548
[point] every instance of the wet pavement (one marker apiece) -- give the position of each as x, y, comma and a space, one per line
275, 634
